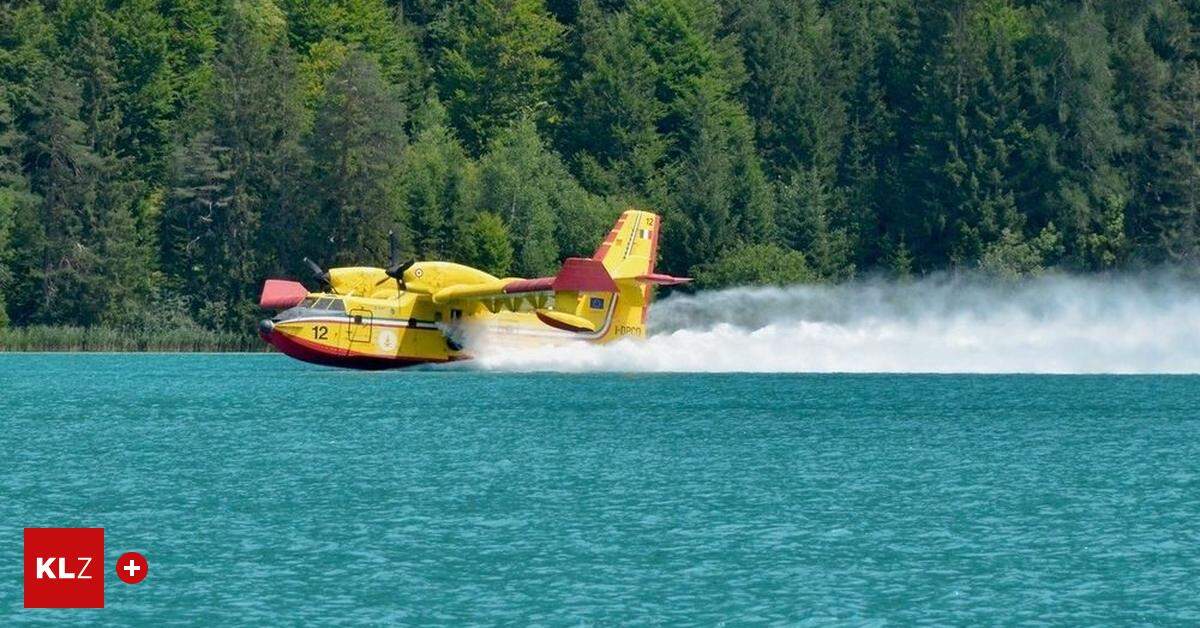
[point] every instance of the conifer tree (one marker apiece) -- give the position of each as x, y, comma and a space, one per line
236, 209
438, 183
963, 163
52, 261
1174, 223
546, 213
16, 200
119, 283
794, 90
357, 145
1081, 143
484, 243
183, 150
323, 33
496, 64
612, 131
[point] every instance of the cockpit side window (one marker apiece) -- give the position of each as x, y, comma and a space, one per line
337, 305
307, 302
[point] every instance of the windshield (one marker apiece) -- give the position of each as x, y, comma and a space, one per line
335, 305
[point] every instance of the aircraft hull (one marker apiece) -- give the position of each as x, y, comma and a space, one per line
315, 353
388, 343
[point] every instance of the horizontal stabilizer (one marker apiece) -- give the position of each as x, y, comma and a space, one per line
663, 280
280, 294
578, 274
582, 274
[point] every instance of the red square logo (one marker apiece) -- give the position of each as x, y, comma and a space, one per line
64, 567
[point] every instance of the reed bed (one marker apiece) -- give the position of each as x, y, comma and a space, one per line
68, 338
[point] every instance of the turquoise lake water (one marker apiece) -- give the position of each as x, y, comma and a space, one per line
263, 490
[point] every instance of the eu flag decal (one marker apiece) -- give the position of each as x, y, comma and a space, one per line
597, 303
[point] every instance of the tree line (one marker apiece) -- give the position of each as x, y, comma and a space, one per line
160, 158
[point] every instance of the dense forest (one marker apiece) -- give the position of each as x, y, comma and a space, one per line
160, 158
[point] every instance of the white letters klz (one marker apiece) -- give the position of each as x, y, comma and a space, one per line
45, 568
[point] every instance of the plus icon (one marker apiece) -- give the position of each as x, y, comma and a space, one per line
132, 567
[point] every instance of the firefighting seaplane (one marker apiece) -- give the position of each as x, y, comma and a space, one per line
420, 312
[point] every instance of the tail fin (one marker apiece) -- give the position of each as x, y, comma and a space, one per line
630, 249
609, 295
629, 253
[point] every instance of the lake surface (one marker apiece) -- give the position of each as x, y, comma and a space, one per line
261, 489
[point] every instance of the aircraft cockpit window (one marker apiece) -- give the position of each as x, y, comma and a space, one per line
335, 305
307, 302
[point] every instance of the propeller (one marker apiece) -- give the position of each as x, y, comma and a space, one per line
321, 275
395, 269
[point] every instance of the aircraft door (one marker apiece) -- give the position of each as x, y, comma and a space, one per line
360, 325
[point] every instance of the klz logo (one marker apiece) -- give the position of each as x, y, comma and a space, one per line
45, 568
64, 567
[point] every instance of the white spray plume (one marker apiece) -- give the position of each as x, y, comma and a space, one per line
1146, 323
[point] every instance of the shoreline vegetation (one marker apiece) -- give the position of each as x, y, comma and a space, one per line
71, 339
159, 160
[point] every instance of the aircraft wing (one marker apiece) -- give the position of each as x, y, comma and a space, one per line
578, 274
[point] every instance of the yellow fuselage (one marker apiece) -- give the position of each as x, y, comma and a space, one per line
436, 311
393, 328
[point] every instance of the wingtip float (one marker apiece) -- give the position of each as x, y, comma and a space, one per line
417, 312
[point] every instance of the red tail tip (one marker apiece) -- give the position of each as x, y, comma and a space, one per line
659, 279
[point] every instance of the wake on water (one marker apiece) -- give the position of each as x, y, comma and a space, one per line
1058, 324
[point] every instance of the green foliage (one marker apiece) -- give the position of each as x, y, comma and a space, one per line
168, 155
657, 106
964, 161
900, 261
722, 199
356, 147
794, 89
755, 265
323, 32
73, 338
1012, 257
806, 205
547, 213
615, 110
7, 210
485, 244
53, 261
14, 194
495, 64
438, 182
236, 201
